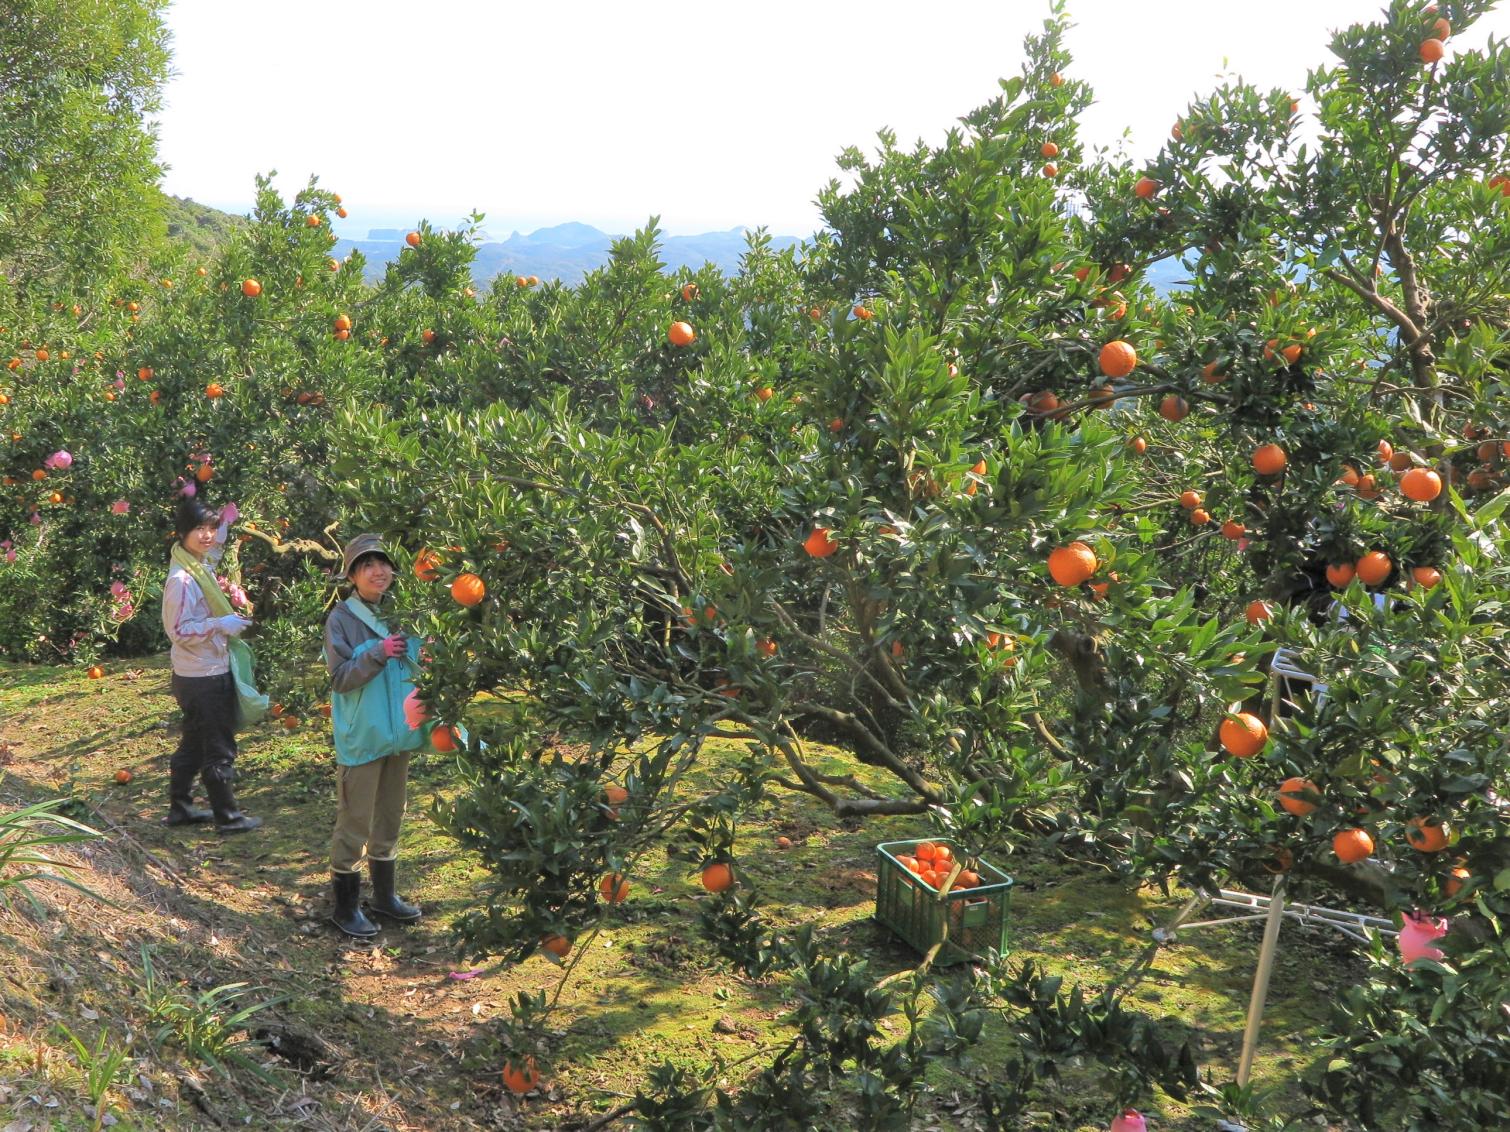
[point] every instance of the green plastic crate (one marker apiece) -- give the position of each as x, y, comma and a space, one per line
976, 917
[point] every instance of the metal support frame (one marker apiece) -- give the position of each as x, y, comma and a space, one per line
1273, 909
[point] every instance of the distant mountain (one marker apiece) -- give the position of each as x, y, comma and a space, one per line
204, 230
564, 251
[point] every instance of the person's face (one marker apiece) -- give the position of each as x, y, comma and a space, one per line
199, 541
373, 576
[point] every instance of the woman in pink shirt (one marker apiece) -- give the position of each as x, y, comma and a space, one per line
202, 680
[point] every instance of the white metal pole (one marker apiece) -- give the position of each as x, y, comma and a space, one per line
1261, 981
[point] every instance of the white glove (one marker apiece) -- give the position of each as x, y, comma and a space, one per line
230, 625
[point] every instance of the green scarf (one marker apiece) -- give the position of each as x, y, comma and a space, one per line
253, 703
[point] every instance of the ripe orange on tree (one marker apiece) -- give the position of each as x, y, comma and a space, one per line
1243, 734
1050, 170
468, 590
1291, 796
1258, 611
204, 472
1339, 574
765, 393
614, 888
1432, 51
1421, 485
1190, 499
427, 336
425, 563
1426, 576
1233, 530
144, 374
821, 543
689, 292
1070, 565
1373, 567
525, 1077
1200, 517
718, 876
557, 945
1118, 358
214, 390
1442, 29
1174, 408
1138, 445
251, 288
1049, 149
1427, 835
443, 739
1352, 845
1269, 460
1145, 188
766, 647
681, 334
412, 239
1211, 375
1456, 878
343, 322
615, 794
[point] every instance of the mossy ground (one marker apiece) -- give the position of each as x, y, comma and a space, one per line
383, 1036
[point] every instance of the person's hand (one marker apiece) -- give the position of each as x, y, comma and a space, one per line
230, 625
229, 514
394, 646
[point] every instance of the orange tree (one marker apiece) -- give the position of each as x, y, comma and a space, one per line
847, 513
220, 378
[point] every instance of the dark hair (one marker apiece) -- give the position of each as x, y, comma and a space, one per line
364, 557
192, 512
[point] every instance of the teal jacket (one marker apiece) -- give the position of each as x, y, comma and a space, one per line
367, 689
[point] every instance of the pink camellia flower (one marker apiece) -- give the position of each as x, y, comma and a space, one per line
119, 383
34, 519
59, 460
415, 711
124, 611
1243, 544
1130, 1120
1416, 936
10, 551
120, 507
118, 589
190, 488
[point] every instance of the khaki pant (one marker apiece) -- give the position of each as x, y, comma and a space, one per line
370, 801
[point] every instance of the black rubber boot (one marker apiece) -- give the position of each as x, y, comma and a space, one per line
384, 900
228, 818
181, 808
346, 892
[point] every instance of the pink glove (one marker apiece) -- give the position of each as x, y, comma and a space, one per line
229, 514
394, 646
415, 711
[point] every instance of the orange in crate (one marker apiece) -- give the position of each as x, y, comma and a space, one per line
909, 875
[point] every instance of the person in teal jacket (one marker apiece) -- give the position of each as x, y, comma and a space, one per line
371, 671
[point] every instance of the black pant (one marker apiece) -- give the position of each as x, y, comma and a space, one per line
208, 746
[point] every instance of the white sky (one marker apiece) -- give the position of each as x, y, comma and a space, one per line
709, 114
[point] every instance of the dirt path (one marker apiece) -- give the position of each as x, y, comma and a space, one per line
370, 1036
